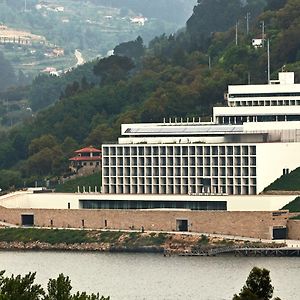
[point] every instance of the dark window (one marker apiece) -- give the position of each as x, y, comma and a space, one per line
279, 233
182, 225
147, 204
27, 220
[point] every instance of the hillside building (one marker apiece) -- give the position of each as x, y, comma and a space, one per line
86, 160
247, 145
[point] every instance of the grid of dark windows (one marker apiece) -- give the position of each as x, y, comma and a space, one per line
282, 94
252, 118
244, 101
179, 169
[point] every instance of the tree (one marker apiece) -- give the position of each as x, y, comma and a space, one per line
44, 141
45, 90
7, 75
132, 49
21, 288
210, 16
72, 89
258, 286
113, 68
99, 135
9, 179
24, 288
275, 4
68, 146
59, 289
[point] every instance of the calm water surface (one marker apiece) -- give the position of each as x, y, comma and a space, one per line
154, 277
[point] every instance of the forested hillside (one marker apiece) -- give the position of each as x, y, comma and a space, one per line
181, 75
7, 75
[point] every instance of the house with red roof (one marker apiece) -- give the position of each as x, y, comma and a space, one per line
86, 160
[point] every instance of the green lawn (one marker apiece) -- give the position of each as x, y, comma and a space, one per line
288, 182
51, 236
293, 206
68, 236
72, 185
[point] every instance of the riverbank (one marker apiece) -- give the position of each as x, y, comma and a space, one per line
120, 241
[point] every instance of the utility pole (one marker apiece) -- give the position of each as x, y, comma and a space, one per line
25, 5
247, 22
236, 33
269, 65
263, 33
209, 62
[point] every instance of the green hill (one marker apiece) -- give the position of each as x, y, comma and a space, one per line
288, 182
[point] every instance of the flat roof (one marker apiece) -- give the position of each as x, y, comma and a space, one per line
185, 130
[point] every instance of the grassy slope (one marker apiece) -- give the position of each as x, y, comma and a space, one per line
289, 182
293, 206
56, 236
116, 240
71, 185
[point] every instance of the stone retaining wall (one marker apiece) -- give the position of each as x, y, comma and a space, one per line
293, 229
248, 224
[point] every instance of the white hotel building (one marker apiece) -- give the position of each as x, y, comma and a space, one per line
248, 144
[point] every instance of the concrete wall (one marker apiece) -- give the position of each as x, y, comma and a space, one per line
249, 224
293, 227
43, 200
61, 200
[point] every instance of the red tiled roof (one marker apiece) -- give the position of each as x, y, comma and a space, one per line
85, 158
88, 149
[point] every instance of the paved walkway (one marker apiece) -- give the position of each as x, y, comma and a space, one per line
5, 224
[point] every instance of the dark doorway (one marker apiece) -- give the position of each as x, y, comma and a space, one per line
182, 225
279, 233
27, 220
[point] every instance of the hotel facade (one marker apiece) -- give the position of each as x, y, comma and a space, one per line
188, 175
247, 145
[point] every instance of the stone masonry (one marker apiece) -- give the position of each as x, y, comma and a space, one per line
248, 224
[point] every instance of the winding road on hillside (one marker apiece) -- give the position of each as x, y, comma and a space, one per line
79, 57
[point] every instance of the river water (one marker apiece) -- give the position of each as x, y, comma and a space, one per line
153, 276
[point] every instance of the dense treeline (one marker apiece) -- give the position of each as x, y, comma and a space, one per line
7, 75
46, 89
175, 76
24, 288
